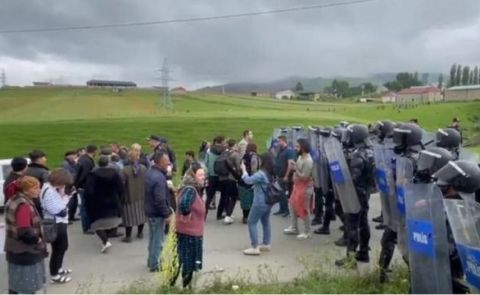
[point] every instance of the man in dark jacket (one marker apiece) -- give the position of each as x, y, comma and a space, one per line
85, 166
70, 164
158, 143
19, 166
217, 148
38, 169
38, 166
157, 208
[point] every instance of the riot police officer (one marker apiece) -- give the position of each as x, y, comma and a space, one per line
407, 139
339, 133
327, 197
361, 165
450, 139
457, 180
383, 133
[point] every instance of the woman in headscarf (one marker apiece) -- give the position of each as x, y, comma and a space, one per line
190, 223
24, 244
133, 199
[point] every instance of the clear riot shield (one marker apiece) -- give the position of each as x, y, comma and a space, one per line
464, 219
385, 182
341, 177
467, 155
428, 138
404, 176
297, 133
323, 164
428, 250
272, 143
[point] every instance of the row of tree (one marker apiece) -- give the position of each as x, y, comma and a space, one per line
341, 88
403, 80
463, 75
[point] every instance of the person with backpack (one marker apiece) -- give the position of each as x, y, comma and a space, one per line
55, 200
213, 183
10, 187
300, 200
227, 167
260, 210
245, 191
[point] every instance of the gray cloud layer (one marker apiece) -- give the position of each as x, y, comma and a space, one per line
379, 36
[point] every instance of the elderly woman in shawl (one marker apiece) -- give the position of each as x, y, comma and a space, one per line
190, 223
133, 207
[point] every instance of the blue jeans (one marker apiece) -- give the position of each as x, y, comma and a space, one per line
259, 213
156, 228
83, 212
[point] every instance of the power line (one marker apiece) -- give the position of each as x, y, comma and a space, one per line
185, 20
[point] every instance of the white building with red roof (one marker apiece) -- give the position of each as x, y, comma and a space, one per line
419, 94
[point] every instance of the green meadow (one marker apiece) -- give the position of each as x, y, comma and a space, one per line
58, 119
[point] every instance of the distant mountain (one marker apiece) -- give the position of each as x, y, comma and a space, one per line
309, 84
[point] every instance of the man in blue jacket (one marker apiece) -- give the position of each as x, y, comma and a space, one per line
157, 208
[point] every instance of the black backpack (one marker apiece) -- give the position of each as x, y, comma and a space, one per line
274, 193
223, 165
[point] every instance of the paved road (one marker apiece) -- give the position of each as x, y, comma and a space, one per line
126, 263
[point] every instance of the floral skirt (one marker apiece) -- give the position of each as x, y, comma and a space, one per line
26, 279
190, 253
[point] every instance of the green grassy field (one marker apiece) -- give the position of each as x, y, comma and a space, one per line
58, 119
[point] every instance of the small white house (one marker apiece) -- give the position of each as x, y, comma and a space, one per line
389, 97
286, 94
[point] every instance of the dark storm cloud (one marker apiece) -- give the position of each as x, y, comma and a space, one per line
379, 36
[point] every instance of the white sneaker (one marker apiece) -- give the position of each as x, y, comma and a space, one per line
106, 246
228, 220
252, 251
264, 248
290, 231
304, 236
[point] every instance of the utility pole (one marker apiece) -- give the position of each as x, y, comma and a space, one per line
3, 78
165, 78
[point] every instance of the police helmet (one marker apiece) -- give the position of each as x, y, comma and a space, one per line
463, 176
407, 135
355, 134
448, 138
384, 129
430, 161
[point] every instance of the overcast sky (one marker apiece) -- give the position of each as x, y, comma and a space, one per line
354, 40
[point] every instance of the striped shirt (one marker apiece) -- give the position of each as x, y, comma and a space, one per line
53, 203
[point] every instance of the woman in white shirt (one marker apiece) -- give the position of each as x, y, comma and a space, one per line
54, 202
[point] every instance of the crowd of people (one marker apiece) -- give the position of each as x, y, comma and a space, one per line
115, 186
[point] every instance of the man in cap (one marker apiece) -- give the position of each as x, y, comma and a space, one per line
158, 143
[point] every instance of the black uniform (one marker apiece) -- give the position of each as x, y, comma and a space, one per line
361, 163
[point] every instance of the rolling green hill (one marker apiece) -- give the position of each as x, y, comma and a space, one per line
58, 119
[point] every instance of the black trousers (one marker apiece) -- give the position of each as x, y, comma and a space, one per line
329, 215
229, 196
212, 188
358, 231
388, 242
72, 206
128, 230
318, 203
59, 247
